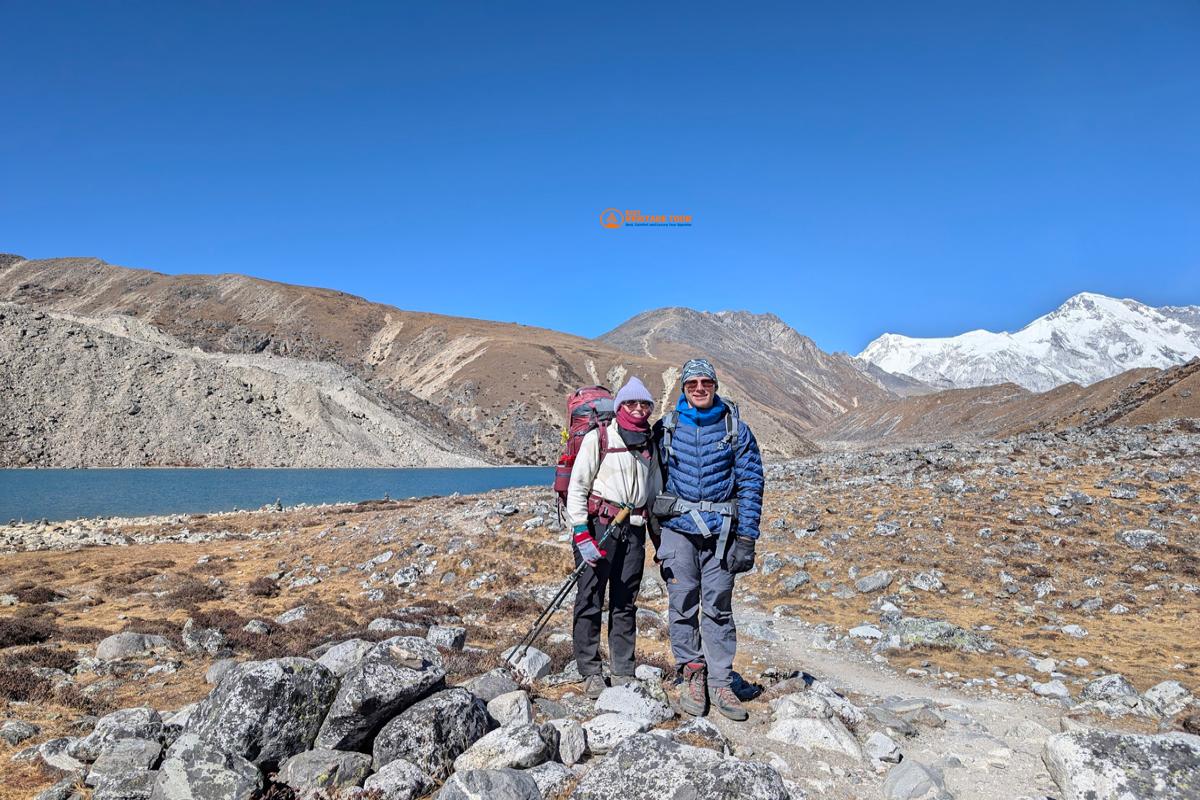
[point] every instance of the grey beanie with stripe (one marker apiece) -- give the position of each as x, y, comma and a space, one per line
698, 368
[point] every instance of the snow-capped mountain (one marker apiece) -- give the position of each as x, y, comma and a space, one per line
1088, 338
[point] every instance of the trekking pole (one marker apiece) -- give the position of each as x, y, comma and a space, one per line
522, 647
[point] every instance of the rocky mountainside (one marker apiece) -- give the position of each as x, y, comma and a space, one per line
786, 370
1136, 397
490, 387
1089, 338
116, 392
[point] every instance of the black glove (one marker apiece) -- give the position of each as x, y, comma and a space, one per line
741, 556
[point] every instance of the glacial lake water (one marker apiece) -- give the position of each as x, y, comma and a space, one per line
58, 494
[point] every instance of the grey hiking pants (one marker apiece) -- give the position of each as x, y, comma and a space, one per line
621, 575
700, 595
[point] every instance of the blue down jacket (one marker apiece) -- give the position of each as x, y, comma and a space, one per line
702, 467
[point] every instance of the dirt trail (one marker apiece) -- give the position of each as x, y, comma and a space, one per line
989, 746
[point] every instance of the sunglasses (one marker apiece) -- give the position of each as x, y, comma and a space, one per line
704, 383
638, 403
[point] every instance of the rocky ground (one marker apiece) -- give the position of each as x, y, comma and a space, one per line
1010, 619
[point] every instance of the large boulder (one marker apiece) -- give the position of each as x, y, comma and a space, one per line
266, 711
196, 770
519, 747
491, 685
1108, 765
606, 731
324, 770
393, 675
121, 758
433, 732
492, 784
648, 767
909, 632
807, 719
128, 723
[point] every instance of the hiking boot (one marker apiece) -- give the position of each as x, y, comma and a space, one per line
728, 704
691, 691
594, 686
622, 680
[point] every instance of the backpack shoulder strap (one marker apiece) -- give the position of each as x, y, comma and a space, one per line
731, 423
669, 421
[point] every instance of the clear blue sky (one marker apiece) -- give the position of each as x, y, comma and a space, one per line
923, 168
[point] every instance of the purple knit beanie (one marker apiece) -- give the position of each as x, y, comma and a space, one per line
633, 390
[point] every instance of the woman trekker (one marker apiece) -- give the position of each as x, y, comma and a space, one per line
615, 467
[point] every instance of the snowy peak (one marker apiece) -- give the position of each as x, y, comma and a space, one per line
1088, 338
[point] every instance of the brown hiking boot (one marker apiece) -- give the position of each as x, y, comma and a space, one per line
728, 704
594, 686
691, 692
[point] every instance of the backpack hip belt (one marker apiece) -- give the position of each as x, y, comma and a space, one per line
597, 506
667, 505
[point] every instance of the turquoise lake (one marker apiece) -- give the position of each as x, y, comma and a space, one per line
58, 494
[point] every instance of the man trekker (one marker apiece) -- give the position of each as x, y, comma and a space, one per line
708, 513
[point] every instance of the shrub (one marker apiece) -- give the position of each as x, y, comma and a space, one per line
40, 656
263, 587
14, 631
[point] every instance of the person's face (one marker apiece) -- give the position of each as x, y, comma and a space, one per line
700, 392
638, 409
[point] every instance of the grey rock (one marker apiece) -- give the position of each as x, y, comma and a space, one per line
490, 784
1113, 689
551, 709
55, 753
218, 670
875, 582
1054, 689
15, 731
202, 640
62, 790
532, 664
257, 626
393, 675
699, 732
128, 645
135, 784
491, 685
343, 657
195, 770
634, 700
1167, 698
816, 734
453, 637
882, 747
912, 780
512, 708
1107, 765
909, 632
400, 780
433, 732
266, 711
324, 769
648, 767
292, 616
128, 723
1141, 539
510, 748
121, 758
866, 632
927, 582
1074, 631
796, 580
551, 778
606, 731
572, 741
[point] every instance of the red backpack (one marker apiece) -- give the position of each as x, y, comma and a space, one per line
588, 407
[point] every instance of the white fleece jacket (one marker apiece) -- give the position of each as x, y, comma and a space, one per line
620, 478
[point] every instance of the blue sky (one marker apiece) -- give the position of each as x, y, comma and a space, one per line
855, 168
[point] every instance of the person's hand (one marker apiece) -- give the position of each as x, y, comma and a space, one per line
586, 543
741, 555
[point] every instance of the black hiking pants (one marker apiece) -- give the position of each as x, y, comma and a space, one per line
620, 575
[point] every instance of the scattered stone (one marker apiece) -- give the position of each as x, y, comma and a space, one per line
292, 616
490, 784
453, 637
875, 582
129, 645
266, 711
433, 732
702, 733
15, 731
128, 723
634, 700
796, 580
393, 675
909, 632
121, 758
927, 582
882, 747
1141, 539
912, 780
1112, 689
606, 731
512, 708
1075, 631
343, 657
1107, 765
491, 685
257, 627
315, 770
1054, 689
572, 741
520, 747
202, 640
195, 770
218, 670
400, 779
866, 632
647, 767
1167, 698
532, 664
